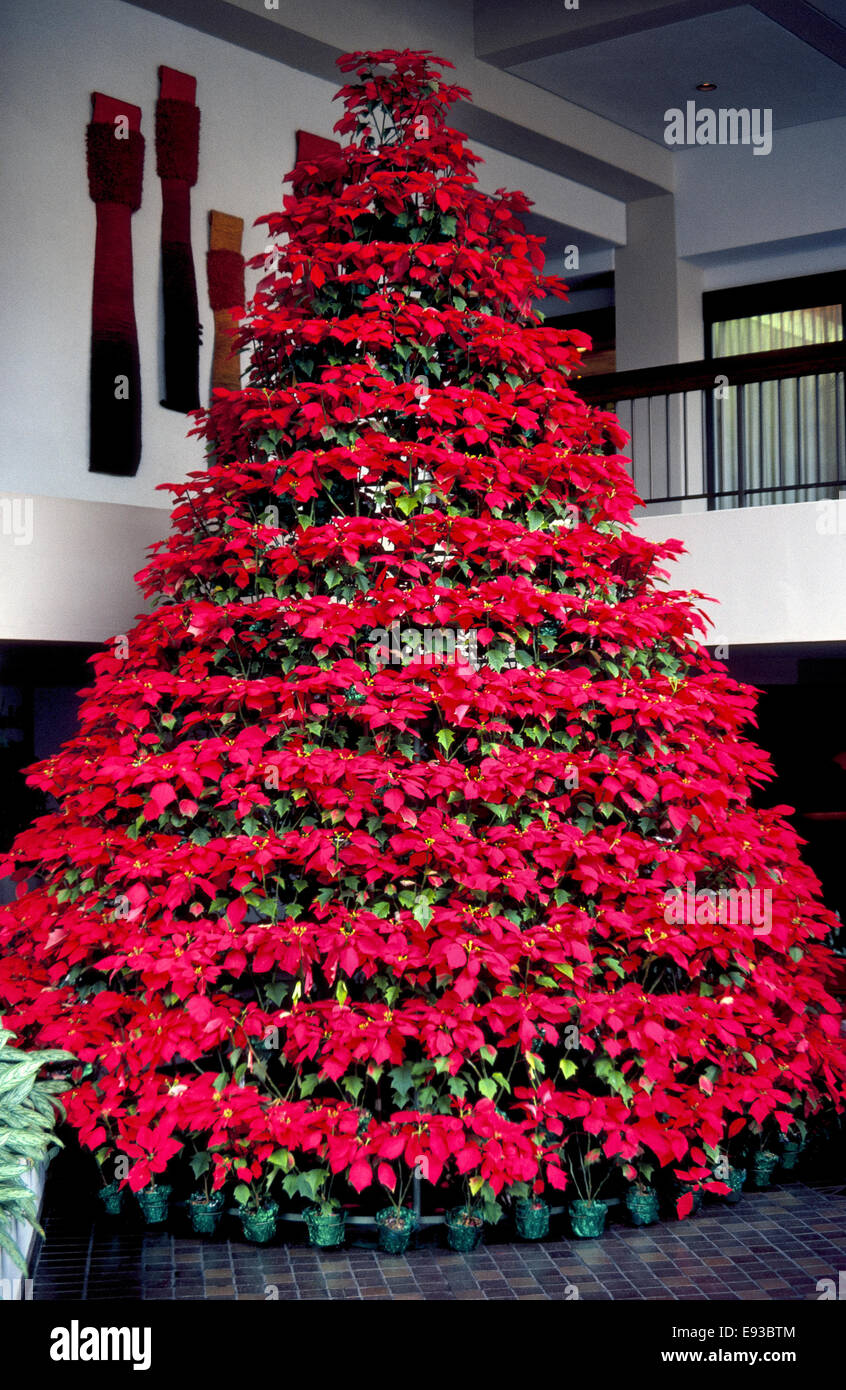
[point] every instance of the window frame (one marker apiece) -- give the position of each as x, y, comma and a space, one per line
771, 297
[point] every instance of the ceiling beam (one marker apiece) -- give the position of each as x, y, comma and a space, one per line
588, 161
809, 24
501, 26
254, 32
522, 142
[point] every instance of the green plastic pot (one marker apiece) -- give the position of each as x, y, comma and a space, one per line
465, 1229
790, 1156
736, 1178
205, 1212
763, 1165
587, 1219
531, 1219
112, 1198
154, 1202
395, 1229
259, 1226
642, 1206
325, 1228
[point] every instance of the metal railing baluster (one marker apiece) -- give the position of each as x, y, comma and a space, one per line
738, 440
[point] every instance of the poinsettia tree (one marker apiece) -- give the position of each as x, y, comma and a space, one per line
323, 896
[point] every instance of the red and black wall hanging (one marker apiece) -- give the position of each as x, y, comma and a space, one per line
318, 162
177, 156
115, 157
225, 272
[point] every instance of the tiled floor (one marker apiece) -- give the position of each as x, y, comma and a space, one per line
774, 1245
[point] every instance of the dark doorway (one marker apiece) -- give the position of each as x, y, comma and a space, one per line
800, 724
39, 708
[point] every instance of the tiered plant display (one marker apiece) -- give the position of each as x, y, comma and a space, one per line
321, 902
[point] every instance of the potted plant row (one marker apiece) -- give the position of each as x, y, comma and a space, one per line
583, 1171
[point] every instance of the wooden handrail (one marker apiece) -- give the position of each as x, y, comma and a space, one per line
700, 376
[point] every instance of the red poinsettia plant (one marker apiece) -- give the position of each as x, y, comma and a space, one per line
323, 904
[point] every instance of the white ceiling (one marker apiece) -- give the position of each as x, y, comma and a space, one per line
634, 78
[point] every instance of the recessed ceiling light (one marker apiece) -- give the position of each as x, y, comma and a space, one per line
706, 86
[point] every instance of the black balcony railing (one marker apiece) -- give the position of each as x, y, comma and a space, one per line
733, 431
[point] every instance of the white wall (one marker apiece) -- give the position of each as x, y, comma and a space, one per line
726, 196
67, 568
250, 108
780, 260
778, 574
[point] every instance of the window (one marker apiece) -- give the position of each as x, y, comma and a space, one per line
785, 440
791, 328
